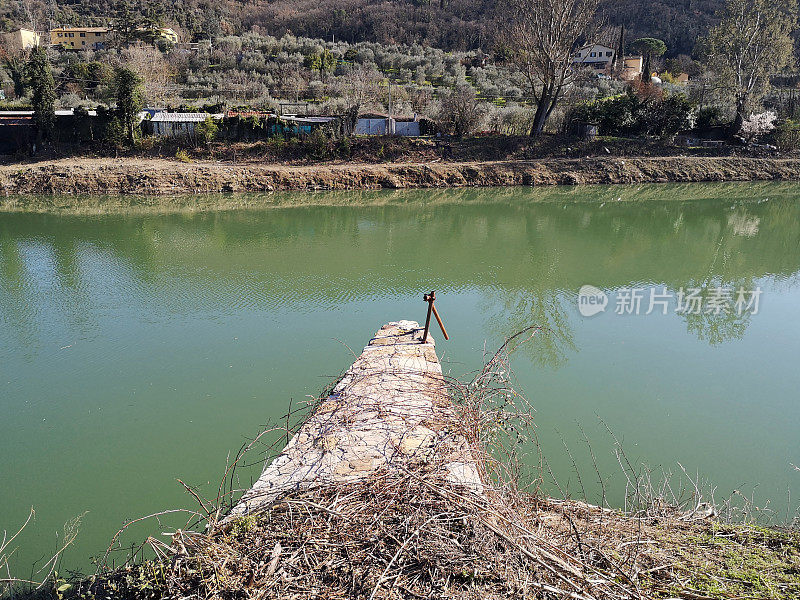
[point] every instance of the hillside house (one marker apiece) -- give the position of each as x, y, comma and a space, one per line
161, 33
167, 34
80, 38
632, 67
21, 39
597, 57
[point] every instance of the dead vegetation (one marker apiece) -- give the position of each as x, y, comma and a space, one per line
408, 534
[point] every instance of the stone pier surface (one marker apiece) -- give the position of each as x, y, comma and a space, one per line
390, 412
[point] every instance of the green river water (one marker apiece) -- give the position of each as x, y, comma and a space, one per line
142, 347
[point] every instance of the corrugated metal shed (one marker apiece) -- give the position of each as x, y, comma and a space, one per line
296, 119
167, 117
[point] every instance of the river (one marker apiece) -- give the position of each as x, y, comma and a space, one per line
142, 347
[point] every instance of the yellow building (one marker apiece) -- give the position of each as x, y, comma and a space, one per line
632, 67
80, 38
22, 39
168, 34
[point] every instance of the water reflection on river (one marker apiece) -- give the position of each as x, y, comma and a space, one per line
138, 348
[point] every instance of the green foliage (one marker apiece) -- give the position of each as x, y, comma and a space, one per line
183, 156
322, 62
344, 147
114, 133
242, 525
668, 117
316, 144
128, 22
207, 131
43, 100
14, 65
637, 112
649, 47
787, 136
708, 117
129, 99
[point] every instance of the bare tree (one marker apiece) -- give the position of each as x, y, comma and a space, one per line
359, 87
542, 37
149, 64
752, 41
460, 112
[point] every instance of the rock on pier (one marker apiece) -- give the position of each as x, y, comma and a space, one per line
389, 413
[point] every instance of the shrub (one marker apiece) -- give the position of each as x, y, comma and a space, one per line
668, 117
787, 136
640, 110
708, 117
183, 156
207, 130
114, 133
460, 113
316, 144
145, 144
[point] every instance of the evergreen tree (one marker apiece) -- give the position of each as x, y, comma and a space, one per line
650, 48
129, 99
126, 22
41, 81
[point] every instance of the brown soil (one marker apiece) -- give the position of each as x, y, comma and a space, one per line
143, 176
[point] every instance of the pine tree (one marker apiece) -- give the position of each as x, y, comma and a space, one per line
650, 48
126, 22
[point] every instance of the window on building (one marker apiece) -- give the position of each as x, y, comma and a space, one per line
83, 34
593, 54
608, 53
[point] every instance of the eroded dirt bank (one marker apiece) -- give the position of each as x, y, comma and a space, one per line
164, 177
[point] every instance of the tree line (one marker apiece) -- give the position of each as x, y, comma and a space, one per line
531, 72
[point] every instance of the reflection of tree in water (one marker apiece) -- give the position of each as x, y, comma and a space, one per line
526, 251
540, 307
718, 327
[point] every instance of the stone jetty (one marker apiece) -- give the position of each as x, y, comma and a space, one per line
390, 412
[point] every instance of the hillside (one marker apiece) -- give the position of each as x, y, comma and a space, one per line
448, 24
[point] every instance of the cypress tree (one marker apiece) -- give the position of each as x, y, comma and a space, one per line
129, 99
41, 81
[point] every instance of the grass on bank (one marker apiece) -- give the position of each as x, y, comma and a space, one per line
414, 535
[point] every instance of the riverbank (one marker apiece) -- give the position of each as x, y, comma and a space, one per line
163, 177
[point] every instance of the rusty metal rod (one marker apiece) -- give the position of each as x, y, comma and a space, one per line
439, 320
429, 299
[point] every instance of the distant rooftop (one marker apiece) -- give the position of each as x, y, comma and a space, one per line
87, 29
168, 117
